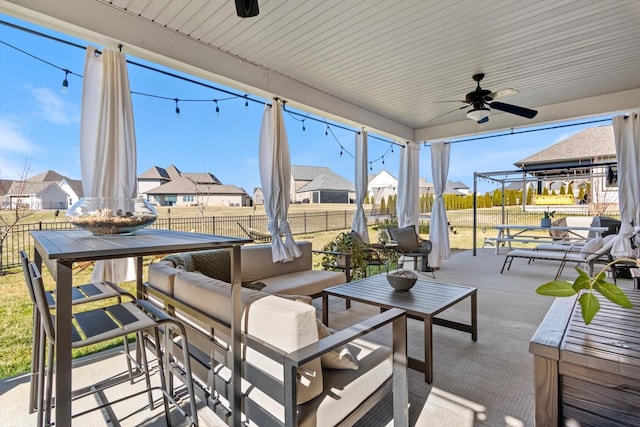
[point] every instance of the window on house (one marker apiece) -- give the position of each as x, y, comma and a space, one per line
188, 198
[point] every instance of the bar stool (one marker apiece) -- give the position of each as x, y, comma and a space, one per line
80, 294
99, 325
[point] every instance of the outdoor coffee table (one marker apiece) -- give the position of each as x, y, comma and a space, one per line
423, 302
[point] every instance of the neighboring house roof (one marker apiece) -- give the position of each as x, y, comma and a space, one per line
173, 172
588, 144
202, 178
456, 185
24, 188
328, 181
5, 184
184, 185
76, 186
155, 172
383, 178
47, 176
307, 173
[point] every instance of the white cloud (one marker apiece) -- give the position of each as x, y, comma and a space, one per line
12, 138
53, 108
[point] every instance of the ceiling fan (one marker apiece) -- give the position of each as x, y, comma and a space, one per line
481, 99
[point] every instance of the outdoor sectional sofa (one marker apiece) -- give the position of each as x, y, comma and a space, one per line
280, 343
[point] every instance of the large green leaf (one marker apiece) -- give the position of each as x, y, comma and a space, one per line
557, 288
613, 294
583, 281
590, 306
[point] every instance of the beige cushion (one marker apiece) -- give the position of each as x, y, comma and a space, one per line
257, 262
591, 247
289, 326
338, 358
306, 282
557, 234
161, 276
210, 295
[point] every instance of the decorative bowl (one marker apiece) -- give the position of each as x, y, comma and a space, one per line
110, 215
402, 280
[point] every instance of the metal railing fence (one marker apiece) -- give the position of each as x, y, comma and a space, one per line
300, 223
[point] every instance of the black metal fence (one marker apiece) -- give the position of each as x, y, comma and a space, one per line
302, 223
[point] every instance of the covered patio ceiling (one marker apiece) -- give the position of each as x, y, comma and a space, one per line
381, 64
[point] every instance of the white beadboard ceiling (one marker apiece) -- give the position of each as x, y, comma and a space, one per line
383, 64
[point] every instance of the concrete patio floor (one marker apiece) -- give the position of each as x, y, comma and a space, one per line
483, 383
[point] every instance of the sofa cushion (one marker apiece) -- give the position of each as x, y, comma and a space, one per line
257, 262
289, 326
161, 276
339, 357
306, 282
209, 295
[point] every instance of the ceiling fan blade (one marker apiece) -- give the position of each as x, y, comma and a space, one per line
457, 100
444, 114
502, 93
514, 109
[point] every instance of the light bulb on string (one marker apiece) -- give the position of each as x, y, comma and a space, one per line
392, 148
370, 166
341, 151
326, 131
425, 144
246, 102
383, 160
65, 82
217, 108
303, 128
177, 108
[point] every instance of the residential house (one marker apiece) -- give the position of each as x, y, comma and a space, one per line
327, 187
301, 176
579, 152
258, 196
381, 186
47, 190
171, 187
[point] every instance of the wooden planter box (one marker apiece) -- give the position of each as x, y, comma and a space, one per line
588, 373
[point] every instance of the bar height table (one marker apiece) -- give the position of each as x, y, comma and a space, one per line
60, 249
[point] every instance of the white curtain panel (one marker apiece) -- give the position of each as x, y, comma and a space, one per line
359, 223
438, 230
407, 204
627, 139
275, 176
108, 143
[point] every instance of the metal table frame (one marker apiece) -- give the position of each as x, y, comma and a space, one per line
60, 249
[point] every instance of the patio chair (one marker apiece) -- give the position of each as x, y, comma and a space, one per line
80, 294
256, 235
100, 325
595, 251
371, 254
409, 244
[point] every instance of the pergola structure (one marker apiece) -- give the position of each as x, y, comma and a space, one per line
587, 171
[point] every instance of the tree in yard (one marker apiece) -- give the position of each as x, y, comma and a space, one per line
15, 211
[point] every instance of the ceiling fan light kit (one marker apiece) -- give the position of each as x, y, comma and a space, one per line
478, 114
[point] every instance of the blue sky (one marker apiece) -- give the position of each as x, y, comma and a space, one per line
40, 125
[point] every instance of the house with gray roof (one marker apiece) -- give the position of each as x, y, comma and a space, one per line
585, 153
46, 190
327, 187
171, 187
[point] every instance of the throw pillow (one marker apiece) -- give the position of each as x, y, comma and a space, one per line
591, 247
339, 357
406, 238
256, 286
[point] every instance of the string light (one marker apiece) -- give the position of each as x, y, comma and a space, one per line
341, 150
177, 108
65, 82
370, 166
326, 131
217, 108
246, 101
303, 128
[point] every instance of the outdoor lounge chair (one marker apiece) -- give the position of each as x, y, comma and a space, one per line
409, 244
256, 235
596, 250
